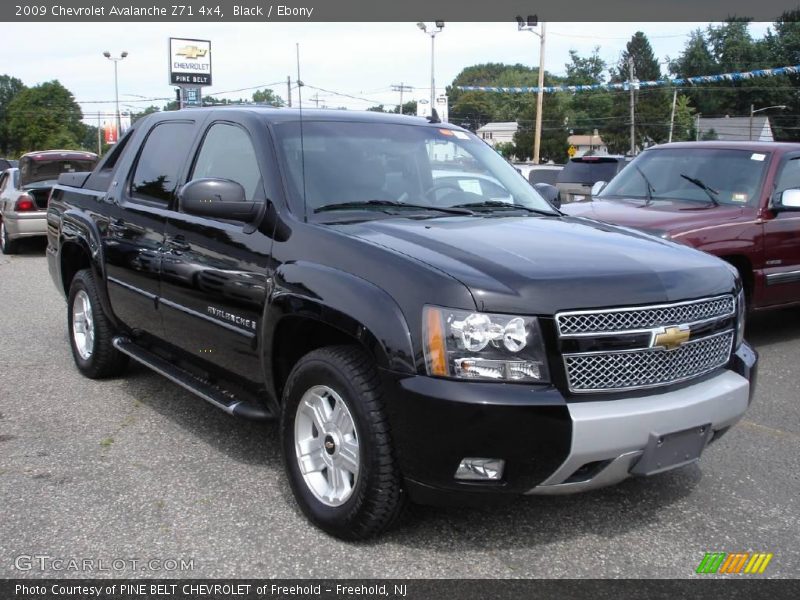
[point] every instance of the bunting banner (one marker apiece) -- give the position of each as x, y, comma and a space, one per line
626, 85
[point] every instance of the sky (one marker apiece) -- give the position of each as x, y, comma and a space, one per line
357, 59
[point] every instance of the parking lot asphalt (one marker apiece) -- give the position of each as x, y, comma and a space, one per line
138, 468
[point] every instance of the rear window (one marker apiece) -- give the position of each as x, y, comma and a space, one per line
34, 171
548, 176
589, 171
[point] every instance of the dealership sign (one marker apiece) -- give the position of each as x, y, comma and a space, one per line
189, 62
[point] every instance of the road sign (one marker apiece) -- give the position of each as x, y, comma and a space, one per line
572, 151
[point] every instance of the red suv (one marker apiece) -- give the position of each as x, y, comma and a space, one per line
737, 200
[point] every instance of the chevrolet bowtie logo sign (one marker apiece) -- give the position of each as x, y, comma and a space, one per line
671, 338
191, 51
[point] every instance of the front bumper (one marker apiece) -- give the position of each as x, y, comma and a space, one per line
550, 444
25, 224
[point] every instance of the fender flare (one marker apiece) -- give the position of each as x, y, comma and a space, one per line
343, 301
77, 229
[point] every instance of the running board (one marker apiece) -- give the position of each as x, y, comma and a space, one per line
214, 395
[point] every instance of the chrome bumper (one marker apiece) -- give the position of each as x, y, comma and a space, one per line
615, 433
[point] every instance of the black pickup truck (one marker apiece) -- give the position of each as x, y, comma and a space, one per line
422, 322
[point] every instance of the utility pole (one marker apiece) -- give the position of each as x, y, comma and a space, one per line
633, 124
289, 90
697, 127
530, 24
537, 141
432, 33
672, 116
401, 88
99, 136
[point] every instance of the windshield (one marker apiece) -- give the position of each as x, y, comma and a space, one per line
351, 165
703, 175
588, 172
33, 171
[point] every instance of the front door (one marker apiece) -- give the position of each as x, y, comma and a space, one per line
214, 272
782, 241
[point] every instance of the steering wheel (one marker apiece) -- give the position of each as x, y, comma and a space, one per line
443, 185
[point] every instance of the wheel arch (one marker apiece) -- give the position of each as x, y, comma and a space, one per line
330, 307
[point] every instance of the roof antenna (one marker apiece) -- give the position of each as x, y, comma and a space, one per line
434, 117
302, 147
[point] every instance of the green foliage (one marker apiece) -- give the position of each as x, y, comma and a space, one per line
143, 113
267, 96
684, 129
506, 149
45, 117
9, 88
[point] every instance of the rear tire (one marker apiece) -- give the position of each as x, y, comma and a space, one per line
90, 331
333, 424
7, 245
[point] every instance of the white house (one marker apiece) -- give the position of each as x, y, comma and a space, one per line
497, 133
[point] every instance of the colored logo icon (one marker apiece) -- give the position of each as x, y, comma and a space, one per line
736, 562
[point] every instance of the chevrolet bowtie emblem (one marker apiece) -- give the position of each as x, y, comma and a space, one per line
671, 338
191, 51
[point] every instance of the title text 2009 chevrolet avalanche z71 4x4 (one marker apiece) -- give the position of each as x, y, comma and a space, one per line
422, 322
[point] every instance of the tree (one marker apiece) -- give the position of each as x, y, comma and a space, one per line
409, 108
588, 110
143, 113
506, 149
9, 88
44, 117
267, 96
683, 128
378, 108
651, 105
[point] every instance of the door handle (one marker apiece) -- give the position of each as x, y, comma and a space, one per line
178, 245
116, 225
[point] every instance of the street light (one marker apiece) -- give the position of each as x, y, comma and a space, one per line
115, 60
754, 110
439, 25
528, 25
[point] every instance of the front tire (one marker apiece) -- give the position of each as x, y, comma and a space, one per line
7, 245
90, 331
336, 444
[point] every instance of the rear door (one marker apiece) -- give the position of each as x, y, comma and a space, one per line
214, 272
576, 179
133, 231
782, 240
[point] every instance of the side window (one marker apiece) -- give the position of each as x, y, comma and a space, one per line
228, 153
160, 161
3, 181
789, 177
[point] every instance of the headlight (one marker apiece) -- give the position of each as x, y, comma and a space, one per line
741, 313
474, 345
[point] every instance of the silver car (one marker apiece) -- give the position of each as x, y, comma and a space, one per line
25, 190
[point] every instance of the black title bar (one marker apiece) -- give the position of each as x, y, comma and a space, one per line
399, 10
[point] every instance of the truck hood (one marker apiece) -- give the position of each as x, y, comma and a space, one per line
660, 216
540, 265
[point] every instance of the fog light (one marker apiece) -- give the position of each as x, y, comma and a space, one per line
481, 469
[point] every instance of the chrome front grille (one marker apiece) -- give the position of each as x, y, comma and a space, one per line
644, 317
628, 348
605, 371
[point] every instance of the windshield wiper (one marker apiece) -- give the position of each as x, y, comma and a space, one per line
650, 189
710, 192
390, 203
494, 204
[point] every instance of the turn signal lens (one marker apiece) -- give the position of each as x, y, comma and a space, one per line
433, 332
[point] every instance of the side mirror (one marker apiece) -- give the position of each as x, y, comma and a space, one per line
549, 193
788, 200
218, 199
598, 187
